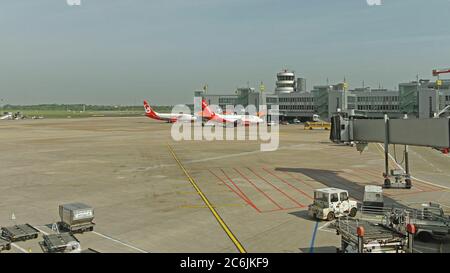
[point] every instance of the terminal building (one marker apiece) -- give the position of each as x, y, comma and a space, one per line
417, 99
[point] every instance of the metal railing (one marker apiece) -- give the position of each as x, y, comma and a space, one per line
399, 217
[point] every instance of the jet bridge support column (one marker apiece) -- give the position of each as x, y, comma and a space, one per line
387, 182
407, 175
406, 160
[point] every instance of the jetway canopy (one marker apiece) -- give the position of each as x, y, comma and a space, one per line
416, 132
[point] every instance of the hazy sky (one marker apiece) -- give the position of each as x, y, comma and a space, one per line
122, 51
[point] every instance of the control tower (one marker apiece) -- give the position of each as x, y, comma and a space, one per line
285, 82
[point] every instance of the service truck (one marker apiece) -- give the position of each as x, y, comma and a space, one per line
331, 203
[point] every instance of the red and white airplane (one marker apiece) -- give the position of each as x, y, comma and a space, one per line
230, 118
149, 112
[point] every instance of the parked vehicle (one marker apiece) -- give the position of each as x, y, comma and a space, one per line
331, 203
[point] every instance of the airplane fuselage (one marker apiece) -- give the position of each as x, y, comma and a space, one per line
175, 117
242, 119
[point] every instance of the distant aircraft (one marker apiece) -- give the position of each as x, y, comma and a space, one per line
7, 116
230, 118
149, 112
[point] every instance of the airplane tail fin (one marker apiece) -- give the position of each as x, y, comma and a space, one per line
206, 110
149, 111
261, 114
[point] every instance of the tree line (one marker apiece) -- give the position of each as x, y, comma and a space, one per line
80, 107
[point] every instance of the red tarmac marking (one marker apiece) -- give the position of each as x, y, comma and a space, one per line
289, 184
243, 194
282, 209
233, 190
258, 189
299, 180
278, 189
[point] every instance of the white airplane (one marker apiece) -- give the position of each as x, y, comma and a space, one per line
6, 116
149, 112
230, 118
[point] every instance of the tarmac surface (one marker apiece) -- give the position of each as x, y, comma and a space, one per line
140, 183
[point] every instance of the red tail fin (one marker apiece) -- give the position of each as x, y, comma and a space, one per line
149, 111
261, 114
206, 111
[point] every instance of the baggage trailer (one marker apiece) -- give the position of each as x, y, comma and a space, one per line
60, 243
361, 236
4, 244
20, 232
76, 217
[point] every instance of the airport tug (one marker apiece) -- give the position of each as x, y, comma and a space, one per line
331, 203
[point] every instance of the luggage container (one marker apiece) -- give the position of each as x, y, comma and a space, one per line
76, 217
373, 200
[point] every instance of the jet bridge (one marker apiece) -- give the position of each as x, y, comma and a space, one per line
348, 128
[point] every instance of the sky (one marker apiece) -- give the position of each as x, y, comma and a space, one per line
123, 51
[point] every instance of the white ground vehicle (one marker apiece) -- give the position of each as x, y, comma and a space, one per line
331, 203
